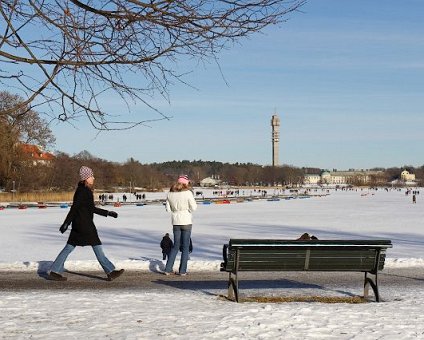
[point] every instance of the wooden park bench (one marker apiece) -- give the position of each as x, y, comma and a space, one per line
257, 255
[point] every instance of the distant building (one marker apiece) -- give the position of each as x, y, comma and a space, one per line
275, 123
312, 179
325, 177
406, 176
351, 177
210, 182
36, 155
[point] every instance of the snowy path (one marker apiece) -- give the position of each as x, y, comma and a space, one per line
282, 283
150, 306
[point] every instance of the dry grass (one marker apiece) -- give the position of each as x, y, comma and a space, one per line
37, 197
285, 299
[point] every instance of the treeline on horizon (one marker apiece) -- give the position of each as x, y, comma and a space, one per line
62, 174
25, 126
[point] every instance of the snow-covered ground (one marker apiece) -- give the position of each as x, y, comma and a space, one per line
31, 240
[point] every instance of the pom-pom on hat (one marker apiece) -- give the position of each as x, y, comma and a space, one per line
85, 172
183, 179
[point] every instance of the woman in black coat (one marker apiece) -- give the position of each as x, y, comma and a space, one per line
83, 232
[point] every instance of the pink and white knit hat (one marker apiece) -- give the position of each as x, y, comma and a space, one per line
183, 179
85, 172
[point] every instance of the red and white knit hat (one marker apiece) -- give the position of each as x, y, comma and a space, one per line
85, 172
183, 179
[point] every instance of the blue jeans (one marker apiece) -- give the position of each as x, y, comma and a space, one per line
59, 263
182, 234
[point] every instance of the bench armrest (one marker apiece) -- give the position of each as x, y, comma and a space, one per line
225, 254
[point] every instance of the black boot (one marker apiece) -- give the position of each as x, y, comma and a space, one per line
114, 274
56, 277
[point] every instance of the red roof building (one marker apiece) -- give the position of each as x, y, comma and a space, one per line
36, 154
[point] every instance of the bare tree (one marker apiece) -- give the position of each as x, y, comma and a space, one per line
70, 55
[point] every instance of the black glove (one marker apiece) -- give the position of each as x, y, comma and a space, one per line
112, 213
63, 227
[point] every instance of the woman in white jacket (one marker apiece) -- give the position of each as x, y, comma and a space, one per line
180, 202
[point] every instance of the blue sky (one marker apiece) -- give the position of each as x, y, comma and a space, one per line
345, 77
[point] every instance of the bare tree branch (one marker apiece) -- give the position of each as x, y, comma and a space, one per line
71, 55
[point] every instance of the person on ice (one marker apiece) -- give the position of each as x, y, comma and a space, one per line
83, 232
166, 245
180, 202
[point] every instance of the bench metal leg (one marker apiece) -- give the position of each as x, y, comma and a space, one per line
368, 281
233, 291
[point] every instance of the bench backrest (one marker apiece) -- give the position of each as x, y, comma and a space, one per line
314, 255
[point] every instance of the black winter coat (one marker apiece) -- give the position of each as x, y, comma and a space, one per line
166, 244
84, 232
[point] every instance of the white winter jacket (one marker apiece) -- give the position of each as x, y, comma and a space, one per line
181, 204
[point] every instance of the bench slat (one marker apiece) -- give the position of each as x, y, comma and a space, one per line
309, 243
